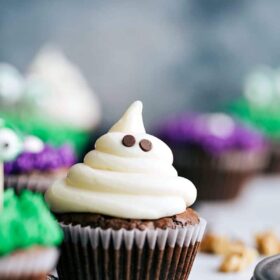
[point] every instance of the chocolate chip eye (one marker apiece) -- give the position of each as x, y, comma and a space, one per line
128, 140
146, 145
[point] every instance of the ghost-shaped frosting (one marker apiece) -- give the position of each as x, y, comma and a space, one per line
129, 174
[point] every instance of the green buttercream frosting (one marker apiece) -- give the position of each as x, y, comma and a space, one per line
265, 119
260, 103
50, 132
26, 221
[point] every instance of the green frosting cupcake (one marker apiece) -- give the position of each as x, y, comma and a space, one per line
259, 106
267, 121
50, 132
25, 221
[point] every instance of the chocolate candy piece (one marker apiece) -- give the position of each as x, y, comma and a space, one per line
128, 140
146, 145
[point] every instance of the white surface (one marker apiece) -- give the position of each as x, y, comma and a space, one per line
257, 209
205, 268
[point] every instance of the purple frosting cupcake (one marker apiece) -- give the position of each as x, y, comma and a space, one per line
215, 151
38, 166
50, 159
214, 133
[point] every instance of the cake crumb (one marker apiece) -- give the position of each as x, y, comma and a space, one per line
215, 244
220, 245
239, 260
268, 243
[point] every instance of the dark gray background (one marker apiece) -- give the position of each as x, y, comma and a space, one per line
174, 55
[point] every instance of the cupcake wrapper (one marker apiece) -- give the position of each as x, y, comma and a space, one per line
33, 182
221, 177
274, 160
51, 277
89, 253
28, 264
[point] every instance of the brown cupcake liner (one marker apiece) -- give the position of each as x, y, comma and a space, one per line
29, 264
273, 166
35, 182
219, 177
94, 253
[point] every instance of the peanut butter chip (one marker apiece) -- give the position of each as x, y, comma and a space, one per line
146, 145
128, 140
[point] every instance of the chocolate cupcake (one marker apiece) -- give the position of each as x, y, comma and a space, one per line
124, 211
217, 153
38, 165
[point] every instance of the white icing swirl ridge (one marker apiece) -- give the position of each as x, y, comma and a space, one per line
122, 181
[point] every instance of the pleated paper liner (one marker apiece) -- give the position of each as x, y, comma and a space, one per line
35, 182
28, 264
93, 253
51, 277
220, 177
273, 166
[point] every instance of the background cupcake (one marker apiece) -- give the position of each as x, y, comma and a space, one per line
38, 165
259, 108
28, 232
217, 153
28, 237
53, 101
125, 210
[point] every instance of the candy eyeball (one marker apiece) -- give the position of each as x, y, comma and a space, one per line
260, 87
33, 144
10, 144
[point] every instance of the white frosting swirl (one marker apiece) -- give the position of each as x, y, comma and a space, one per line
122, 181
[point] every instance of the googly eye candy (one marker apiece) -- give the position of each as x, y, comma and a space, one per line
10, 144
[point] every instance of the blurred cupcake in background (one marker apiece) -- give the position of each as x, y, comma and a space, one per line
259, 107
28, 232
28, 237
37, 165
217, 153
53, 101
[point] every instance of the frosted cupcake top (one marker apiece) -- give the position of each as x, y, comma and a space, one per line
215, 133
47, 159
25, 221
128, 175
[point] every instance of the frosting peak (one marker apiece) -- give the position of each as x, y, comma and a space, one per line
131, 121
128, 175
